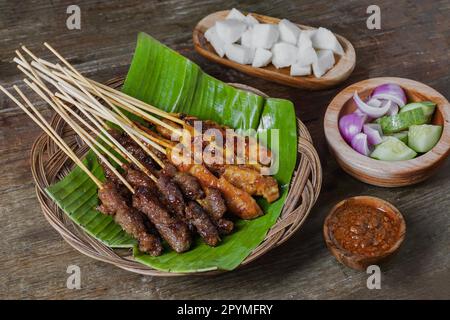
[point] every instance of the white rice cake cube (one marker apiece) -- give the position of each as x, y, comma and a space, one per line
325, 61
216, 42
264, 35
309, 32
326, 40
230, 30
299, 70
239, 53
306, 56
262, 58
246, 38
284, 54
304, 39
251, 20
289, 32
235, 14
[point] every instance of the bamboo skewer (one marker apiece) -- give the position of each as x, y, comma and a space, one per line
62, 111
83, 79
90, 141
35, 78
108, 115
99, 154
66, 78
47, 128
86, 111
113, 93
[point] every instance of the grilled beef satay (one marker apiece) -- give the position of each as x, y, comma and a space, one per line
134, 149
171, 197
188, 184
213, 203
131, 221
116, 200
173, 230
210, 199
190, 187
203, 224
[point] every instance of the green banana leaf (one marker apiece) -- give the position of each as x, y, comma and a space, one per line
169, 81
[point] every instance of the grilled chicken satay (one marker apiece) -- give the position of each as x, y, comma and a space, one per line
246, 178
250, 180
263, 154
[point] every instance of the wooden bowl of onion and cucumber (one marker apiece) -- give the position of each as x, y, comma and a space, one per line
275, 49
388, 131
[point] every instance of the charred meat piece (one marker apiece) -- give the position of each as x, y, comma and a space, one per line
137, 178
200, 220
109, 175
189, 185
131, 221
224, 226
252, 182
174, 231
213, 203
171, 195
133, 148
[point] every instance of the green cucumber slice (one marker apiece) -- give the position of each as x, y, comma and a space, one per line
424, 137
428, 108
392, 149
402, 121
402, 136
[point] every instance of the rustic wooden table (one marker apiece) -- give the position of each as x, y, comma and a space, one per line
414, 42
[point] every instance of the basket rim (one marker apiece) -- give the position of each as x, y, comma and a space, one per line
303, 192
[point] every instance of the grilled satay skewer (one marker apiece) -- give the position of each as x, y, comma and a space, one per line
130, 221
175, 232
172, 196
115, 97
241, 176
239, 202
181, 241
255, 183
210, 199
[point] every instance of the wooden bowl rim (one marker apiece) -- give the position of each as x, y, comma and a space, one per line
335, 140
346, 63
330, 240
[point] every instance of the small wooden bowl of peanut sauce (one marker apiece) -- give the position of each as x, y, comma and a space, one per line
362, 231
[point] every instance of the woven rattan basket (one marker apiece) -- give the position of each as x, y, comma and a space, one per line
50, 165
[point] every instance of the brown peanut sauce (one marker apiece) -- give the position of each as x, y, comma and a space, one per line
364, 229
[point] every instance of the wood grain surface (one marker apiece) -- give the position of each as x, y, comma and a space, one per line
413, 43
341, 70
